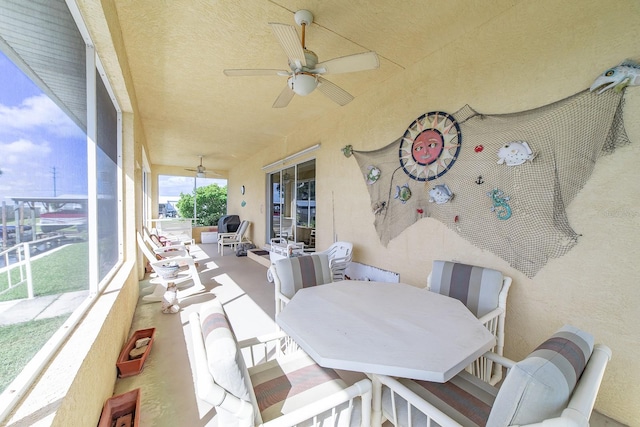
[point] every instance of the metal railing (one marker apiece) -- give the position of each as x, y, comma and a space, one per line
19, 257
20, 260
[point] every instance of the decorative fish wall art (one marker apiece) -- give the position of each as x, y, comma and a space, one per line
567, 136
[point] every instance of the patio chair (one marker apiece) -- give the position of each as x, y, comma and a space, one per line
484, 292
340, 254
273, 390
187, 271
292, 274
232, 239
164, 247
176, 229
284, 228
556, 385
312, 240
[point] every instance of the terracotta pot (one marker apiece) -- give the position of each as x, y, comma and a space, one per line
128, 367
123, 409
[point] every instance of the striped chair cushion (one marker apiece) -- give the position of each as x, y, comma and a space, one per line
226, 364
464, 398
476, 287
539, 387
286, 384
302, 272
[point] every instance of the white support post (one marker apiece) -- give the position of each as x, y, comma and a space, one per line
27, 263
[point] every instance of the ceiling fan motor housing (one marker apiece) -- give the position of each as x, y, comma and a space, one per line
312, 60
307, 73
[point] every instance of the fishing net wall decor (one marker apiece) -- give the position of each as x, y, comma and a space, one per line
501, 181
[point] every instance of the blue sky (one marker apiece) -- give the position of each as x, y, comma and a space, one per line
171, 186
35, 137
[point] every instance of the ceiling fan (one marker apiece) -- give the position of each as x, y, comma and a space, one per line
200, 170
306, 72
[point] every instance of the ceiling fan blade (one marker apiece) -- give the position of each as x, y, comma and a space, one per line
334, 92
288, 38
258, 72
348, 64
284, 98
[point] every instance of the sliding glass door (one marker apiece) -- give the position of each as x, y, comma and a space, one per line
292, 205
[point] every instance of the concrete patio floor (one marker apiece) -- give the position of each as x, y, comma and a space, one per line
167, 383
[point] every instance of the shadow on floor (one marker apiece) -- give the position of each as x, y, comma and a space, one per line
166, 382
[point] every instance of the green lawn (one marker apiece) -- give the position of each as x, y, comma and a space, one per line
20, 342
64, 270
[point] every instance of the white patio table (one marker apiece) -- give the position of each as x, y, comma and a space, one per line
392, 329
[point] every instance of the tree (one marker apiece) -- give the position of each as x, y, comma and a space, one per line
211, 204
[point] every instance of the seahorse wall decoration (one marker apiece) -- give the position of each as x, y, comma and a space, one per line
500, 206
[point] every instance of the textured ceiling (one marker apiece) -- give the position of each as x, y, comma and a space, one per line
178, 49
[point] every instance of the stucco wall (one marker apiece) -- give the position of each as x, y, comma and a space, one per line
535, 53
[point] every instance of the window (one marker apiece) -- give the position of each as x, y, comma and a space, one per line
172, 188
60, 180
108, 212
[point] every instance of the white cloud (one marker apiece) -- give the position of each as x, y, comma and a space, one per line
22, 151
37, 111
171, 186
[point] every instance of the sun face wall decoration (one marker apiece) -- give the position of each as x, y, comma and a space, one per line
430, 146
506, 188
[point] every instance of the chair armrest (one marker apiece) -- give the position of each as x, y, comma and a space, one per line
263, 348
261, 340
417, 403
344, 259
585, 394
284, 298
225, 235
168, 238
165, 251
179, 247
500, 360
206, 388
176, 244
491, 315
360, 389
295, 245
177, 259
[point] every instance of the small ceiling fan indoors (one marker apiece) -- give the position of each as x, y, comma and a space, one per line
200, 170
306, 72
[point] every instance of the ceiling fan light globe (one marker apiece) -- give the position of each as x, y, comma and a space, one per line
302, 84
200, 175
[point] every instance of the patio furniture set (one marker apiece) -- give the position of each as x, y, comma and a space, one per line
430, 357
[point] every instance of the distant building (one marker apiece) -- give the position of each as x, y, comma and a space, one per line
166, 210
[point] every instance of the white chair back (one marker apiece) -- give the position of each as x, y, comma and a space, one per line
484, 292
242, 230
292, 274
340, 254
145, 249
